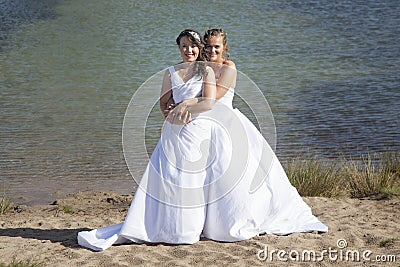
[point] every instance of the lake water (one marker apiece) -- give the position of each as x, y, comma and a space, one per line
330, 71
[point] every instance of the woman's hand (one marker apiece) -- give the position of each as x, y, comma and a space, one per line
168, 110
179, 114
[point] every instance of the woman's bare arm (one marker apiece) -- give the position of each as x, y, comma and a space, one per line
207, 100
182, 113
227, 79
166, 94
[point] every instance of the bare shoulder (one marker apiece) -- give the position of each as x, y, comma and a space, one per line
209, 70
230, 63
167, 74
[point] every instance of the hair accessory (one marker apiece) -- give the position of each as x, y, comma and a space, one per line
195, 35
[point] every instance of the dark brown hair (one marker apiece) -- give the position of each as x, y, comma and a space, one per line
196, 39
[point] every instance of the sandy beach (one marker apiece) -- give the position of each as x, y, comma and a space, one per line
46, 234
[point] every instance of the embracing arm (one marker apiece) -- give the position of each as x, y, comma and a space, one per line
166, 94
226, 81
200, 104
207, 101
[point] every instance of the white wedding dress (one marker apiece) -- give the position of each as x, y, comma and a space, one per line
216, 177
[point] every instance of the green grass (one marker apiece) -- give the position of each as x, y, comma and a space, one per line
66, 209
315, 177
388, 241
20, 263
6, 203
391, 162
375, 175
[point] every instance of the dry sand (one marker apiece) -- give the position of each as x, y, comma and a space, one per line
47, 234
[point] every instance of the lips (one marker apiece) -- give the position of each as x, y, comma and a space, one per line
190, 56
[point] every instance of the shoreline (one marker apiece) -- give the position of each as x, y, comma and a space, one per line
47, 234
370, 174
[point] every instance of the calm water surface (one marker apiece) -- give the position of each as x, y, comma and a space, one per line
68, 69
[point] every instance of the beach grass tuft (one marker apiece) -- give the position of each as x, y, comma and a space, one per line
66, 209
388, 241
314, 177
376, 175
20, 263
6, 203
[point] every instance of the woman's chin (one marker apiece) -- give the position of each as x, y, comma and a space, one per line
214, 59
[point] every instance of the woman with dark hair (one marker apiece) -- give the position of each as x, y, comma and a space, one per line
191, 47
169, 204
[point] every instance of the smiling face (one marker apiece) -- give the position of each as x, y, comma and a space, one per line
189, 50
215, 47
